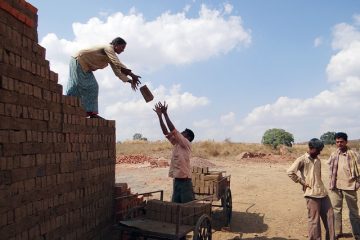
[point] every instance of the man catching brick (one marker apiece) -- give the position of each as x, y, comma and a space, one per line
180, 169
82, 82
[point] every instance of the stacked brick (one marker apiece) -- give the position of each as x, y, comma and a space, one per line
170, 212
127, 204
57, 168
207, 182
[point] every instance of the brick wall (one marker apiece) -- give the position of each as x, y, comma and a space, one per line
57, 168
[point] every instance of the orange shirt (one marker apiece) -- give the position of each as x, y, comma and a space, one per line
180, 160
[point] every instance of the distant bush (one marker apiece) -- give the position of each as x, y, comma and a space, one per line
139, 136
328, 138
275, 137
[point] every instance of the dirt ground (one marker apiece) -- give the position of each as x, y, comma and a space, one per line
267, 204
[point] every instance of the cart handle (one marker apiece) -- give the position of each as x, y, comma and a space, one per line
146, 194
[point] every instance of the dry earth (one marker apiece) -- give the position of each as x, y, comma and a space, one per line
266, 203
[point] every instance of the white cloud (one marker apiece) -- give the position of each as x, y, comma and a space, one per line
346, 63
170, 39
205, 123
318, 41
356, 18
228, 119
344, 35
228, 8
334, 109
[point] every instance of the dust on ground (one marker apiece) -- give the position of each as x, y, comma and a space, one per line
267, 204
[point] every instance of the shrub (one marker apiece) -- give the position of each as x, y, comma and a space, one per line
328, 138
275, 137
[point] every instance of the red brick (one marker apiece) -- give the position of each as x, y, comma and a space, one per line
10, 110
2, 108
4, 136
17, 136
11, 149
18, 174
29, 186
3, 219
10, 217
27, 161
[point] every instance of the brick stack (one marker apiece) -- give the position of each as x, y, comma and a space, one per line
207, 182
169, 212
127, 204
57, 168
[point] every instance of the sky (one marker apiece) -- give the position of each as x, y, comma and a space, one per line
228, 70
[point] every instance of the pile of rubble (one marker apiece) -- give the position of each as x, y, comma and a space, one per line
133, 159
142, 159
264, 157
158, 162
251, 155
201, 162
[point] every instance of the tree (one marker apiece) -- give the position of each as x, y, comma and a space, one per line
137, 136
328, 138
276, 136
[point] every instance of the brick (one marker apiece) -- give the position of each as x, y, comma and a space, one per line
10, 110
29, 186
11, 149
2, 109
27, 161
17, 136
18, 174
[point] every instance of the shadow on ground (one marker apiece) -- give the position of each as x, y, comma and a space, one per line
263, 238
244, 222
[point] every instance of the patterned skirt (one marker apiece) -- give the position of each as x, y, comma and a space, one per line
83, 85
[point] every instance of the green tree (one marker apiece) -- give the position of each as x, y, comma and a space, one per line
276, 137
328, 138
137, 136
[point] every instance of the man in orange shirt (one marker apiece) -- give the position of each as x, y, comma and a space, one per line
180, 169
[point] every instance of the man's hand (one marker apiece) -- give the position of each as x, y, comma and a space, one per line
304, 185
157, 109
164, 107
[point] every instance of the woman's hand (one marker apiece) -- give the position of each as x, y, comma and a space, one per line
135, 81
126, 71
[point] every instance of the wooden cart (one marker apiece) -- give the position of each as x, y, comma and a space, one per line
158, 219
216, 186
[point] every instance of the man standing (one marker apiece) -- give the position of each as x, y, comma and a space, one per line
317, 200
180, 168
344, 182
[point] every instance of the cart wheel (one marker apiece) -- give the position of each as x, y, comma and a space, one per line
226, 202
203, 228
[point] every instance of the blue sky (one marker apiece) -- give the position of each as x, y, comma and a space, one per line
228, 70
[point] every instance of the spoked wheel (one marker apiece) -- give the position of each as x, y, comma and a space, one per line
226, 203
203, 228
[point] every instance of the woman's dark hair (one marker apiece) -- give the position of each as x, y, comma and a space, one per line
341, 135
118, 41
316, 143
